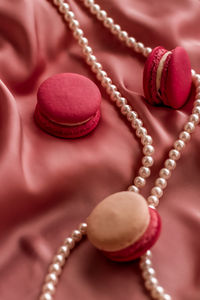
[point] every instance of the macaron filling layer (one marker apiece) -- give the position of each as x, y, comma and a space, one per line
160, 71
71, 124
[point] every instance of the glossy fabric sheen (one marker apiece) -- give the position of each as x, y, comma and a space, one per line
49, 185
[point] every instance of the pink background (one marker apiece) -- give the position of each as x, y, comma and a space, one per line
50, 185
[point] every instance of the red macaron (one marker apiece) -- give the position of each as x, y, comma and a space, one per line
123, 227
167, 77
68, 105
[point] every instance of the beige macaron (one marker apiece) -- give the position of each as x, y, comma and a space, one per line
118, 221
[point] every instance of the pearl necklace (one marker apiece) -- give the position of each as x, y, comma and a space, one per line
148, 272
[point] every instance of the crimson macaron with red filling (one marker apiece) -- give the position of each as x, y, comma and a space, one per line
68, 105
167, 77
123, 227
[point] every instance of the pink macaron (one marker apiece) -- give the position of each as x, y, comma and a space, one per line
68, 105
123, 227
167, 77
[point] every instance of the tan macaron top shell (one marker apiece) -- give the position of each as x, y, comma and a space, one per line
118, 221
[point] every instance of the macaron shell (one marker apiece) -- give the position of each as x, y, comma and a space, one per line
139, 248
66, 131
118, 221
68, 98
176, 79
150, 74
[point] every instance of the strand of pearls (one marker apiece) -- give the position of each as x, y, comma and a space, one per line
115, 96
148, 273
115, 29
184, 137
55, 269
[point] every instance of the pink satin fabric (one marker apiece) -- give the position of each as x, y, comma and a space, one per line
49, 185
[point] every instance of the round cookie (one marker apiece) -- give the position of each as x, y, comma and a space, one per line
167, 77
123, 227
68, 105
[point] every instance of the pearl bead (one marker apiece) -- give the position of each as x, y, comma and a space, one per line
144, 172
148, 150
147, 140
193, 72
194, 118
165, 173
83, 228
46, 296
78, 33
91, 59
139, 181
64, 250
101, 15
95, 9
76, 235
111, 88
60, 259
49, 288
125, 109
64, 8
150, 283
108, 22
115, 29
121, 101
115, 95
55, 268
57, 2
136, 123
145, 263
73, 24
197, 80
130, 42
148, 273
170, 164
69, 242
174, 154
139, 47
148, 254
83, 41
96, 67
161, 182
133, 188
197, 102
184, 136
196, 110
88, 3
131, 115
123, 35
87, 50
101, 75
166, 297
51, 277
157, 292
153, 200
147, 51
189, 127
157, 191
179, 145
106, 81
69, 15
141, 132
147, 161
